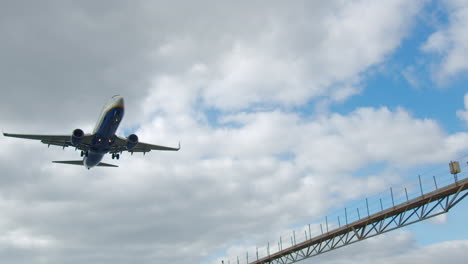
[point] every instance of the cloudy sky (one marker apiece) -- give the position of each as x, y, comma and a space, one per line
287, 111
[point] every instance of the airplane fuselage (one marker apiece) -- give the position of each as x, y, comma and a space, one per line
104, 131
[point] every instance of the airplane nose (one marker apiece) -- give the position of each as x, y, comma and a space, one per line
120, 101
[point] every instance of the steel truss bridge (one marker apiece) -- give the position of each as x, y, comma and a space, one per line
411, 211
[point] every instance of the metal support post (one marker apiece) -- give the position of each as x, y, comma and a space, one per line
326, 222
346, 216
391, 192
420, 185
367, 204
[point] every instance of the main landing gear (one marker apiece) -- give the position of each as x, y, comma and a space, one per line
115, 156
84, 153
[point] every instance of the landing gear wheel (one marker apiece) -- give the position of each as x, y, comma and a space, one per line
82, 153
117, 156
113, 155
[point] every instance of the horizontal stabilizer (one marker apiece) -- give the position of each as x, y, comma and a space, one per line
71, 162
80, 162
101, 164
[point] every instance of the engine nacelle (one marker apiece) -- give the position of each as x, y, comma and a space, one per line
132, 141
77, 136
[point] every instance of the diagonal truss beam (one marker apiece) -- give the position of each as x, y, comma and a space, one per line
418, 209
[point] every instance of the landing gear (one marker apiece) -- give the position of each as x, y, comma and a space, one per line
115, 156
84, 153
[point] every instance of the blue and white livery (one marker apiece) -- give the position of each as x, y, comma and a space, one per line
102, 141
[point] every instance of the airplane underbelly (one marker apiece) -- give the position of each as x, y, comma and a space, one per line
93, 159
104, 136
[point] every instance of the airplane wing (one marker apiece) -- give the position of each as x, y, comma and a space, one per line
56, 140
121, 145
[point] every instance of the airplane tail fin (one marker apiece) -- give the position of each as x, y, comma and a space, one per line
80, 162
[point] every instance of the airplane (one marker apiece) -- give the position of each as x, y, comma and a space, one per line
102, 141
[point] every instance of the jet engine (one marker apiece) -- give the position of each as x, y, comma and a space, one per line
132, 141
77, 136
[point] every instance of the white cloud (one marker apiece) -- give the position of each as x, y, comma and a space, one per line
439, 220
410, 76
242, 160
451, 41
311, 56
22, 239
463, 114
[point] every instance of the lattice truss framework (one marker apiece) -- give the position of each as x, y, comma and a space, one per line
428, 206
